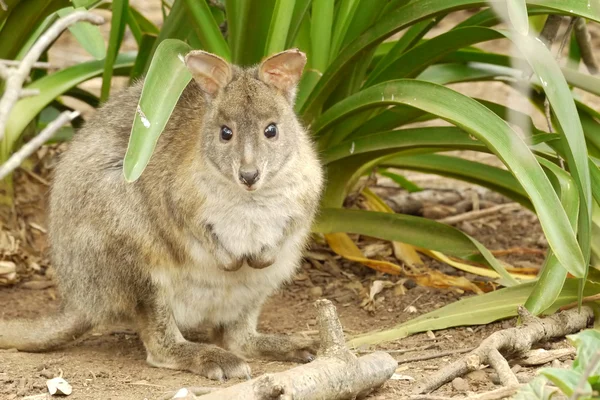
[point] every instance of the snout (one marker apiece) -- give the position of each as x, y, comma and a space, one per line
249, 176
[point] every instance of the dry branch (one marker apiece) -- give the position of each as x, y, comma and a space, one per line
28, 149
496, 394
15, 77
585, 46
470, 215
335, 374
515, 341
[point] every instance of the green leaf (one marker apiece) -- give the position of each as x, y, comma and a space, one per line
52, 86
23, 21
140, 25
414, 61
537, 389
416, 231
404, 183
409, 39
207, 29
145, 50
588, 345
250, 20
393, 141
479, 121
280, 25
299, 15
88, 35
117, 30
475, 310
345, 14
568, 124
553, 275
566, 380
166, 79
397, 20
320, 33
517, 14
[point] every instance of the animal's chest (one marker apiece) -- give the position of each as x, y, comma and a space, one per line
204, 294
245, 228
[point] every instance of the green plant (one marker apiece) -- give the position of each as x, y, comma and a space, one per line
581, 381
361, 88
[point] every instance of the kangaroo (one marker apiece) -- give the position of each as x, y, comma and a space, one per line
215, 224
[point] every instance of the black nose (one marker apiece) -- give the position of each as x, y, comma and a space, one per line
249, 177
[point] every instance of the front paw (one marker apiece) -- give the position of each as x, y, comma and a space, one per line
234, 265
285, 348
218, 364
260, 261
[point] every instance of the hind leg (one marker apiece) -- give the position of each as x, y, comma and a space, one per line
167, 348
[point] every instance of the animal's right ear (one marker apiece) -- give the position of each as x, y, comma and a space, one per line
211, 72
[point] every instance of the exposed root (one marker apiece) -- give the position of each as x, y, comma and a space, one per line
335, 374
515, 341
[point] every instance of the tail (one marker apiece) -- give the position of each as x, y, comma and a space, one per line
42, 334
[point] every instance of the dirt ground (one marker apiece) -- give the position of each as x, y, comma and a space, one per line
109, 362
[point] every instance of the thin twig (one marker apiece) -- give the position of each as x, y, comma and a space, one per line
432, 356
496, 394
587, 299
470, 215
400, 351
18, 75
30, 147
587, 372
585, 46
35, 65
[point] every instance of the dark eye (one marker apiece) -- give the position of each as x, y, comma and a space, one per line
271, 131
226, 133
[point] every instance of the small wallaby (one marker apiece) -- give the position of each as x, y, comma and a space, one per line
215, 224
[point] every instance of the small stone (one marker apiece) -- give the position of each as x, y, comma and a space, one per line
46, 374
516, 368
430, 334
460, 385
478, 376
556, 364
524, 377
316, 292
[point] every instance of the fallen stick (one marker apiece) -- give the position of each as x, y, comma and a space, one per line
496, 394
470, 215
335, 374
425, 357
515, 341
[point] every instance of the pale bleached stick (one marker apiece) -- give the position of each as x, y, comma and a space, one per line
30, 147
17, 76
35, 65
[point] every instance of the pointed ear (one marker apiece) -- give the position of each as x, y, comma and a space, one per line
283, 71
211, 72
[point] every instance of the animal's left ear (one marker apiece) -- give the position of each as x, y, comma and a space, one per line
283, 71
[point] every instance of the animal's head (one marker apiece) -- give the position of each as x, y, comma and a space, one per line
250, 130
